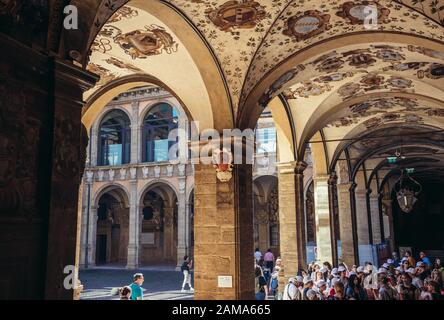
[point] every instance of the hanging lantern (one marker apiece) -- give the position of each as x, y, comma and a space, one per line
407, 190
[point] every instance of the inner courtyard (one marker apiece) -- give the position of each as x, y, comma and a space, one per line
211, 144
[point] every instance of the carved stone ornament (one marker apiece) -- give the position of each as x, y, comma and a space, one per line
122, 174
133, 173
157, 171
145, 171
222, 160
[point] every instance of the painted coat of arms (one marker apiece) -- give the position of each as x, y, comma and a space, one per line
143, 43
311, 23
222, 162
237, 14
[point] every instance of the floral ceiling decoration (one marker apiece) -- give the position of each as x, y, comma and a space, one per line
249, 38
344, 18
358, 71
384, 110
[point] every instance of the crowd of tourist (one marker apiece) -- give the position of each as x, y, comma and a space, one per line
395, 279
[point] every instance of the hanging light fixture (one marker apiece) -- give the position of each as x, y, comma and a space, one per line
407, 190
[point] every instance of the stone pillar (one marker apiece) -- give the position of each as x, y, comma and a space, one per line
85, 233
92, 236
182, 220
376, 223
389, 229
291, 216
349, 241
69, 141
188, 229
364, 223
223, 224
332, 181
322, 216
135, 134
168, 233
134, 228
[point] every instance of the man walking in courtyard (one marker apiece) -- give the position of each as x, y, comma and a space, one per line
269, 259
136, 290
185, 268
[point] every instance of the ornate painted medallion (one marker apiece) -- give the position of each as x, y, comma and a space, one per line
143, 43
310, 24
237, 14
357, 13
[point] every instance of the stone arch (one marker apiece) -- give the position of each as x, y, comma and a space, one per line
111, 187
158, 183
160, 221
250, 111
200, 57
146, 109
99, 99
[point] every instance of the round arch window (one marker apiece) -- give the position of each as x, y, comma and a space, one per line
157, 125
114, 139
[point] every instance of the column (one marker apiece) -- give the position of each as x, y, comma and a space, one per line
376, 223
168, 232
85, 233
135, 133
347, 224
188, 229
93, 141
223, 224
182, 221
69, 141
134, 228
332, 181
291, 216
389, 230
322, 216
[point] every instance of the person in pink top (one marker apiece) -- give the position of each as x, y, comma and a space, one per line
269, 259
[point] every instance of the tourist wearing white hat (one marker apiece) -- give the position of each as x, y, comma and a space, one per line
290, 290
321, 286
299, 286
371, 281
312, 295
308, 284
343, 276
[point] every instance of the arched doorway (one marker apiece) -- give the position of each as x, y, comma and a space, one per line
111, 232
159, 228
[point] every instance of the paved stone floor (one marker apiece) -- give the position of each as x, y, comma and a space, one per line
161, 283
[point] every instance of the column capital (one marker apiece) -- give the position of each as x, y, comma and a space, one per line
348, 186
333, 179
297, 167
321, 177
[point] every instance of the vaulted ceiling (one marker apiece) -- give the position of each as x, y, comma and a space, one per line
248, 38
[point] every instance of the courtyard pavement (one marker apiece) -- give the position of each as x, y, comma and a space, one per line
161, 283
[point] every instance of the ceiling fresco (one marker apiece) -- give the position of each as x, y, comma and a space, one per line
299, 26
250, 37
344, 67
135, 42
234, 29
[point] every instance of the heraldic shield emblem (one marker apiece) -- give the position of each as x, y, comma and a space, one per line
237, 14
222, 162
143, 43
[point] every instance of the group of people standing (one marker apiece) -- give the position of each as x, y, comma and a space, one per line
396, 279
